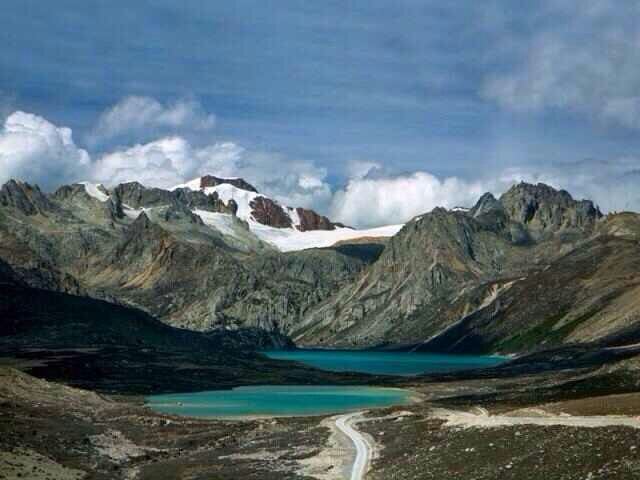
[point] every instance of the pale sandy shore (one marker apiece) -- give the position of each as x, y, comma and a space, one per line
481, 418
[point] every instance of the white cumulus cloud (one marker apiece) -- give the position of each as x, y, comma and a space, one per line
136, 115
34, 149
369, 202
162, 163
174, 160
583, 59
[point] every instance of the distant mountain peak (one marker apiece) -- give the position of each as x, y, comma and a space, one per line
547, 208
212, 181
253, 206
485, 204
539, 190
28, 199
207, 181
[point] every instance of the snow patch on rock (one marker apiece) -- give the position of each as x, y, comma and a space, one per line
95, 190
284, 239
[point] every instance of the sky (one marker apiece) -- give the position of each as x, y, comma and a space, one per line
368, 111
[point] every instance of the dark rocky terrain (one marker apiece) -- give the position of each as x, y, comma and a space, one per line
162, 259
55, 431
112, 348
531, 270
93, 294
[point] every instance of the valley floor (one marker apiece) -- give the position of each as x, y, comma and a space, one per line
464, 429
472, 444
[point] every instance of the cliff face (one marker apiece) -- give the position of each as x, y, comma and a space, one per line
212, 181
259, 207
534, 267
149, 249
544, 211
25, 198
444, 265
310, 220
591, 294
267, 212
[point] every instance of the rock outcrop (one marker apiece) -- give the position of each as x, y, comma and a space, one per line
534, 267
544, 211
261, 208
310, 220
26, 198
267, 212
444, 264
212, 181
134, 195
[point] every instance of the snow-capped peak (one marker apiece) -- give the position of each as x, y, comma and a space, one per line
96, 190
243, 198
191, 185
280, 225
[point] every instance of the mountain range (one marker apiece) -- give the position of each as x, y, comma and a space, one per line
529, 270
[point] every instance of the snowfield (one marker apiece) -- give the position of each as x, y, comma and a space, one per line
94, 190
243, 198
290, 239
223, 222
284, 239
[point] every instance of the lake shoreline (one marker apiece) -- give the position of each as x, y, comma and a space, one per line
384, 363
274, 400
345, 399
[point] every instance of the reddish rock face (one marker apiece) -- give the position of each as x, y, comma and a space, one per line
310, 220
211, 181
268, 212
219, 206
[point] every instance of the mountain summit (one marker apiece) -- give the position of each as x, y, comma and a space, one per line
444, 265
532, 268
253, 206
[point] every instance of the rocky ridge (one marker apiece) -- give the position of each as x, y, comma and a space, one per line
504, 276
151, 249
531, 269
259, 208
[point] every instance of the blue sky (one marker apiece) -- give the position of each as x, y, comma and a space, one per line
460, 90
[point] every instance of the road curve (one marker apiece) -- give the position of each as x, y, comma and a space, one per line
363, 450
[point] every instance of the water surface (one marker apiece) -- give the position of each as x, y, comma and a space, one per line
269, 400
385, 363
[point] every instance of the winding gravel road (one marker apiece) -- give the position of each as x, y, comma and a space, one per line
363, 449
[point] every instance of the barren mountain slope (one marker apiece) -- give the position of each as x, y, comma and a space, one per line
444, 265
150, 249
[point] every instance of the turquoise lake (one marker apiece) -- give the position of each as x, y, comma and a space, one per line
385, 363
277, 401
271, 400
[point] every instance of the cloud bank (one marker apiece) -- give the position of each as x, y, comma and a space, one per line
372, 202
36, 150
582, 59
173, 160
138, 115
